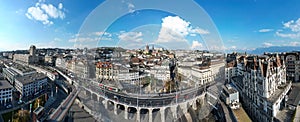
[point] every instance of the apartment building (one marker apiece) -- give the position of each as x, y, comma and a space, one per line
5, 92
31, 84
261, 82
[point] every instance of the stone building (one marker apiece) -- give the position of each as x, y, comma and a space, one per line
261, 82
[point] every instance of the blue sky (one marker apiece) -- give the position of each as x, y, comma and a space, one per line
246, 24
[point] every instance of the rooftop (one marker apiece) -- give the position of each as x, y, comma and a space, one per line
229, 89
11, 71
278, 92
297, 114
4, 84
31, 78
22, 68
241, 115
294, 96
38, 110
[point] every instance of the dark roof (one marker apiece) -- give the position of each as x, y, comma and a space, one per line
4, 84
294, 96
31, 78
229, 89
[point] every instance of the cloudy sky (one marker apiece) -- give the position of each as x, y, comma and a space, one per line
246, 24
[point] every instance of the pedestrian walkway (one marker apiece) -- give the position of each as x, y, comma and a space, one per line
49, 102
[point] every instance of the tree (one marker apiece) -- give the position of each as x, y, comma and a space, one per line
21, 116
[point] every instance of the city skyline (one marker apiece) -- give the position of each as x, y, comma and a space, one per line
57, 23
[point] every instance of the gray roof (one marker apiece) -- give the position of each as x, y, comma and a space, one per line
294, 96
229, 89
4, 84
22, 68
31, 78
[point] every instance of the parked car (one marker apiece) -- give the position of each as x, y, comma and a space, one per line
20, 102
9, 106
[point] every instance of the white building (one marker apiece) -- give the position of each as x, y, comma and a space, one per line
218, 69
261, 81
5, 92
31, 84
292, 60
30, 58
230, 96
203, 74
16, 70
161, 72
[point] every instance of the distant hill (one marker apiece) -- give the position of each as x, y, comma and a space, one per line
274, 49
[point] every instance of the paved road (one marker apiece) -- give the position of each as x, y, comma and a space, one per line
146, 101
77, 114
155, 100
60, 112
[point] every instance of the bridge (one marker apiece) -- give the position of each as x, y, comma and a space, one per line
176, 101
59, 114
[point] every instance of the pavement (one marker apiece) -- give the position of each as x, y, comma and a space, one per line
77, 114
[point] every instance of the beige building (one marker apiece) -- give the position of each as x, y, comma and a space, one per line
261, 82
30, 58
292, 60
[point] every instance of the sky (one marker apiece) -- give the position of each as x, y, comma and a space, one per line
176, 24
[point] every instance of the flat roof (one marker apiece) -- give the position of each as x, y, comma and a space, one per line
22, 68
278, 92
294, 96
4, 84
38, 110
31, 78
229, 89
297, 114
11, 71
241, 115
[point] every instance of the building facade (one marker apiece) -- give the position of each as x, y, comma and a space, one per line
5, 92
30, 58
261, 81
292, 60
31, 84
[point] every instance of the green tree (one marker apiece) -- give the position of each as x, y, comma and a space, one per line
21, 116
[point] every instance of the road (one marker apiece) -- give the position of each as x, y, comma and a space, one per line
61, 111
158, 100
144, 100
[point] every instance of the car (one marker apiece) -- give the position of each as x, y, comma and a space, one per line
9, 106
36, 93
20, 102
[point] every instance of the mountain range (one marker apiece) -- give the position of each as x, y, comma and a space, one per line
274, 49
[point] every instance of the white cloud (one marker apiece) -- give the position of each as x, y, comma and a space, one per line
196, 45
267, 44
130, 7
52, 11
199, 31
91, 37
294, 43
192, 34
83, 39
131, 36
103, 34
231, 41
265, 30
293, 25
20, 11
45, 12
37, 14
233, 47
175, 29
60, 6
294, 29
288, 35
